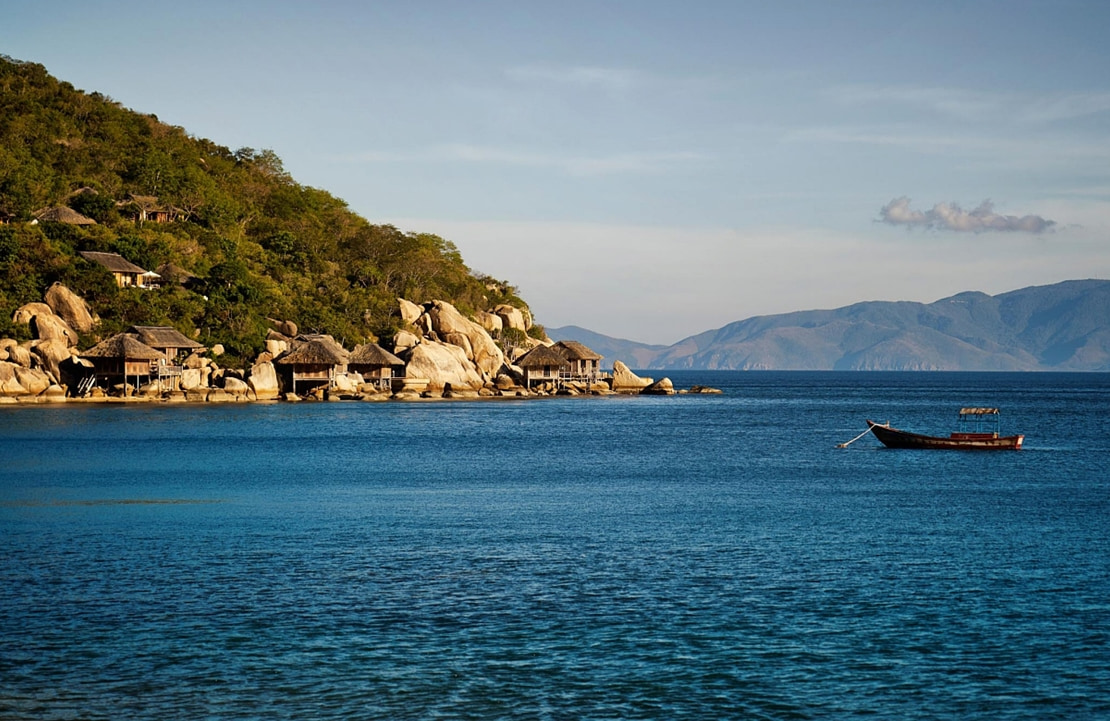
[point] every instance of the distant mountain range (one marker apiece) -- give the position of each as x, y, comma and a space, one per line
1062, 327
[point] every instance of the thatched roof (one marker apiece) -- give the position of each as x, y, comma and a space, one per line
541, 356
62, 214
160, 336
146, 202
372, 354
112, 261
324, 338
573, 350
314, 350
123, 345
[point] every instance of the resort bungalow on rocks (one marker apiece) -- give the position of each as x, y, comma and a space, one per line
126, 273
121, 357
583, 364
542, 364
313, 361
374, 363
171, 343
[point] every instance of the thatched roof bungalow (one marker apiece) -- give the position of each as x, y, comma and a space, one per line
374, 363
584, 364
170, 341
312, 361
541, 364
146, 207
123, 356
126, 273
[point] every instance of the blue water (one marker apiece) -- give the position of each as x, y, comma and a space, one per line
698, 557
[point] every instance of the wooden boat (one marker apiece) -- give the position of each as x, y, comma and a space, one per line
962, 440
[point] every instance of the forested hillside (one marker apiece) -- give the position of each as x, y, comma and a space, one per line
245, 242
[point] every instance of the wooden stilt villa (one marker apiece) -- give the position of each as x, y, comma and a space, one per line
542, 364
123, 358
313, 361
173, 344
374, 363
583, 364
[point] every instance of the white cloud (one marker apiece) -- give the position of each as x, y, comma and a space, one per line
950, 216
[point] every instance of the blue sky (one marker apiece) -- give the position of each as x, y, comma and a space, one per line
651, 170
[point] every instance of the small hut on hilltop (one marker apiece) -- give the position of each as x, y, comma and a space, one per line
374, 363
313, 360
583, 363
126, 273
121, 357
542, 364
142, 208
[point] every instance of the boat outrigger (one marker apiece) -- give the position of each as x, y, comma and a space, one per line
961, 440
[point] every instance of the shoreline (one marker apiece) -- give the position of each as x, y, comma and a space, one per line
229, 399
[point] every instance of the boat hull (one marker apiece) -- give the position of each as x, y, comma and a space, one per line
894, 438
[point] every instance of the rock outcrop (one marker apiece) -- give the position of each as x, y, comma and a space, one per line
404, 340
410, 312
17, 380
452, 326
625, 381
194, 379
71, 308
286, 328
24, 313
47, 326
20, 354
662, 387
511, 317
490, 322
263, 381
442, 364
51, 354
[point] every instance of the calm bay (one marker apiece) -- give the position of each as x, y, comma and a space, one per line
649, 557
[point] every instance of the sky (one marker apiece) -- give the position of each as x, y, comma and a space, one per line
652, 170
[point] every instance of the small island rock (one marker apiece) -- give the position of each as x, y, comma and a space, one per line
662, 387
625, 381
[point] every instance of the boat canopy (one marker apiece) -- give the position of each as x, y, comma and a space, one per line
978, 411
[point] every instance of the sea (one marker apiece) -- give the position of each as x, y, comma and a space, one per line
676, 557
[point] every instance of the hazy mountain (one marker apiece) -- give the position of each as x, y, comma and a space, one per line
1065, 326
